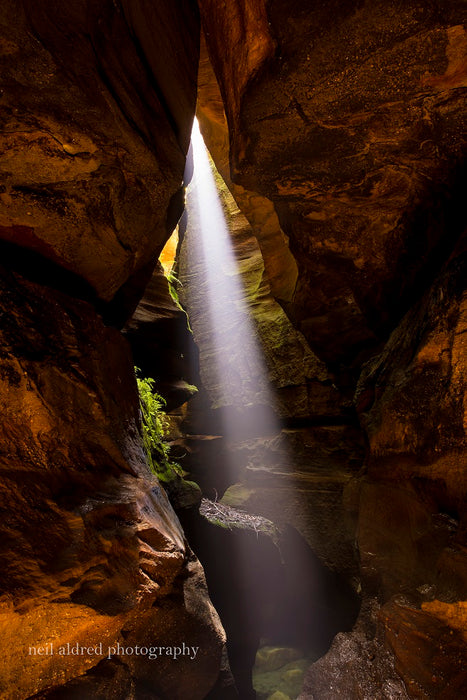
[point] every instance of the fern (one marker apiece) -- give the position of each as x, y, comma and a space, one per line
155, 424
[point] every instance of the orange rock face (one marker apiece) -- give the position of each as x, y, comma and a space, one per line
430, 657
347, 128
347, 155
280, 265
95, 125
412, 402
354, 128
91, 549
241, 42
95, 128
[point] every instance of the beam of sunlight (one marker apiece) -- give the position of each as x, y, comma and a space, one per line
268, 588
242, 379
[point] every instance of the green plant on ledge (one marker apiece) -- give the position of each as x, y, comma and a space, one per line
154, 424
174, 283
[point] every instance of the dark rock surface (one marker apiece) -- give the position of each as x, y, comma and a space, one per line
358, 665
266, 584
349, 118
412, 404
346, 128
95, 123
162, 343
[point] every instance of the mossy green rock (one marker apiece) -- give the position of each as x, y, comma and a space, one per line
279, 695
293, 675
283, 682
272, 658
183, 493
237, 495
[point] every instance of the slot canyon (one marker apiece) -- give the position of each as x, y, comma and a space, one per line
233, 349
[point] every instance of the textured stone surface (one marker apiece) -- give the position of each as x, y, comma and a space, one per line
97, 101
301, 477
350, 118
351, 122
301, 383
357, 665
93, 149
284, 680
412, 404
393, 653
429, 655
267, 584
411, 504
91, 549
280, 265
353, 127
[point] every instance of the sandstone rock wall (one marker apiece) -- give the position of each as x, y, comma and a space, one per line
273, 426
97, 100
349, 117
280, 265
91, 549
95, 127
353, 128
351, 123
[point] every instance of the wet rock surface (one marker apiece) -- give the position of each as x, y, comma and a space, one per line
278, 673
358, 665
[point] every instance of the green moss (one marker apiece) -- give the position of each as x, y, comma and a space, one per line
155, 423
191, 388
174, 283
237, 496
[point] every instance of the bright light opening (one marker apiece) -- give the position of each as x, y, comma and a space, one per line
169, 252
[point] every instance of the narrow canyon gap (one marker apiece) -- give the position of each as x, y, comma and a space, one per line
255, 571
314, 531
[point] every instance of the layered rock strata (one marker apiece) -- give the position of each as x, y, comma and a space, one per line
285, 434
94, 147
95, 125
92, 552
349, 117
